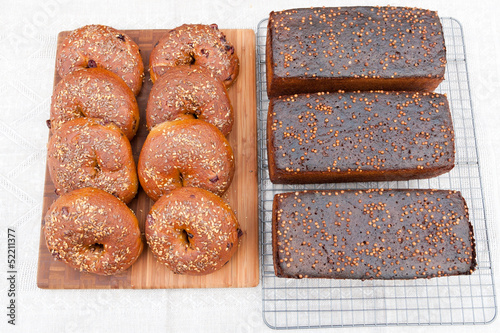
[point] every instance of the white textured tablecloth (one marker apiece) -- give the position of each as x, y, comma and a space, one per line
28, 34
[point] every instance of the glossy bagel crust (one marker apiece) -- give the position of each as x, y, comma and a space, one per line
87, 152
102, 46
97, 93
189, 91
199, 44
92, 231
187, 152
192, 231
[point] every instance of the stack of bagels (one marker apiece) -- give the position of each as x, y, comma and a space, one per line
185, 164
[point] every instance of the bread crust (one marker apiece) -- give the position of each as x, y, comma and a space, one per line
359, 136
372, 234
354, 48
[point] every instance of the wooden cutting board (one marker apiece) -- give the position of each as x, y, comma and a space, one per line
243, 269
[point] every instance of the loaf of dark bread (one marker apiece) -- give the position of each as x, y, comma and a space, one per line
372, 234
354, 48
359, 136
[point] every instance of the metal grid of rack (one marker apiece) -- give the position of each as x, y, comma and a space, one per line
313, 303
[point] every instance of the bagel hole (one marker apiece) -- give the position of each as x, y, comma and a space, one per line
196, 113
97, 169
186, 236
96, 247
79, 111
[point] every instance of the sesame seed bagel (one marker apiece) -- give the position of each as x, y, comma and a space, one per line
189, 91
199, 44
89, 152
192, 231
102, 46
97, 93
92, 231
187, 152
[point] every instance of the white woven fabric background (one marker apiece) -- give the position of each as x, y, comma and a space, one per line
28, 32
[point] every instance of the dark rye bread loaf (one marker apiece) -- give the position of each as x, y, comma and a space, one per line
354, 48
359, 136
372, 234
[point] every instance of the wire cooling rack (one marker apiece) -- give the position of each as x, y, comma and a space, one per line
313, 303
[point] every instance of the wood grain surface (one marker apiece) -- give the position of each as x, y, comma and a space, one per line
243, 269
